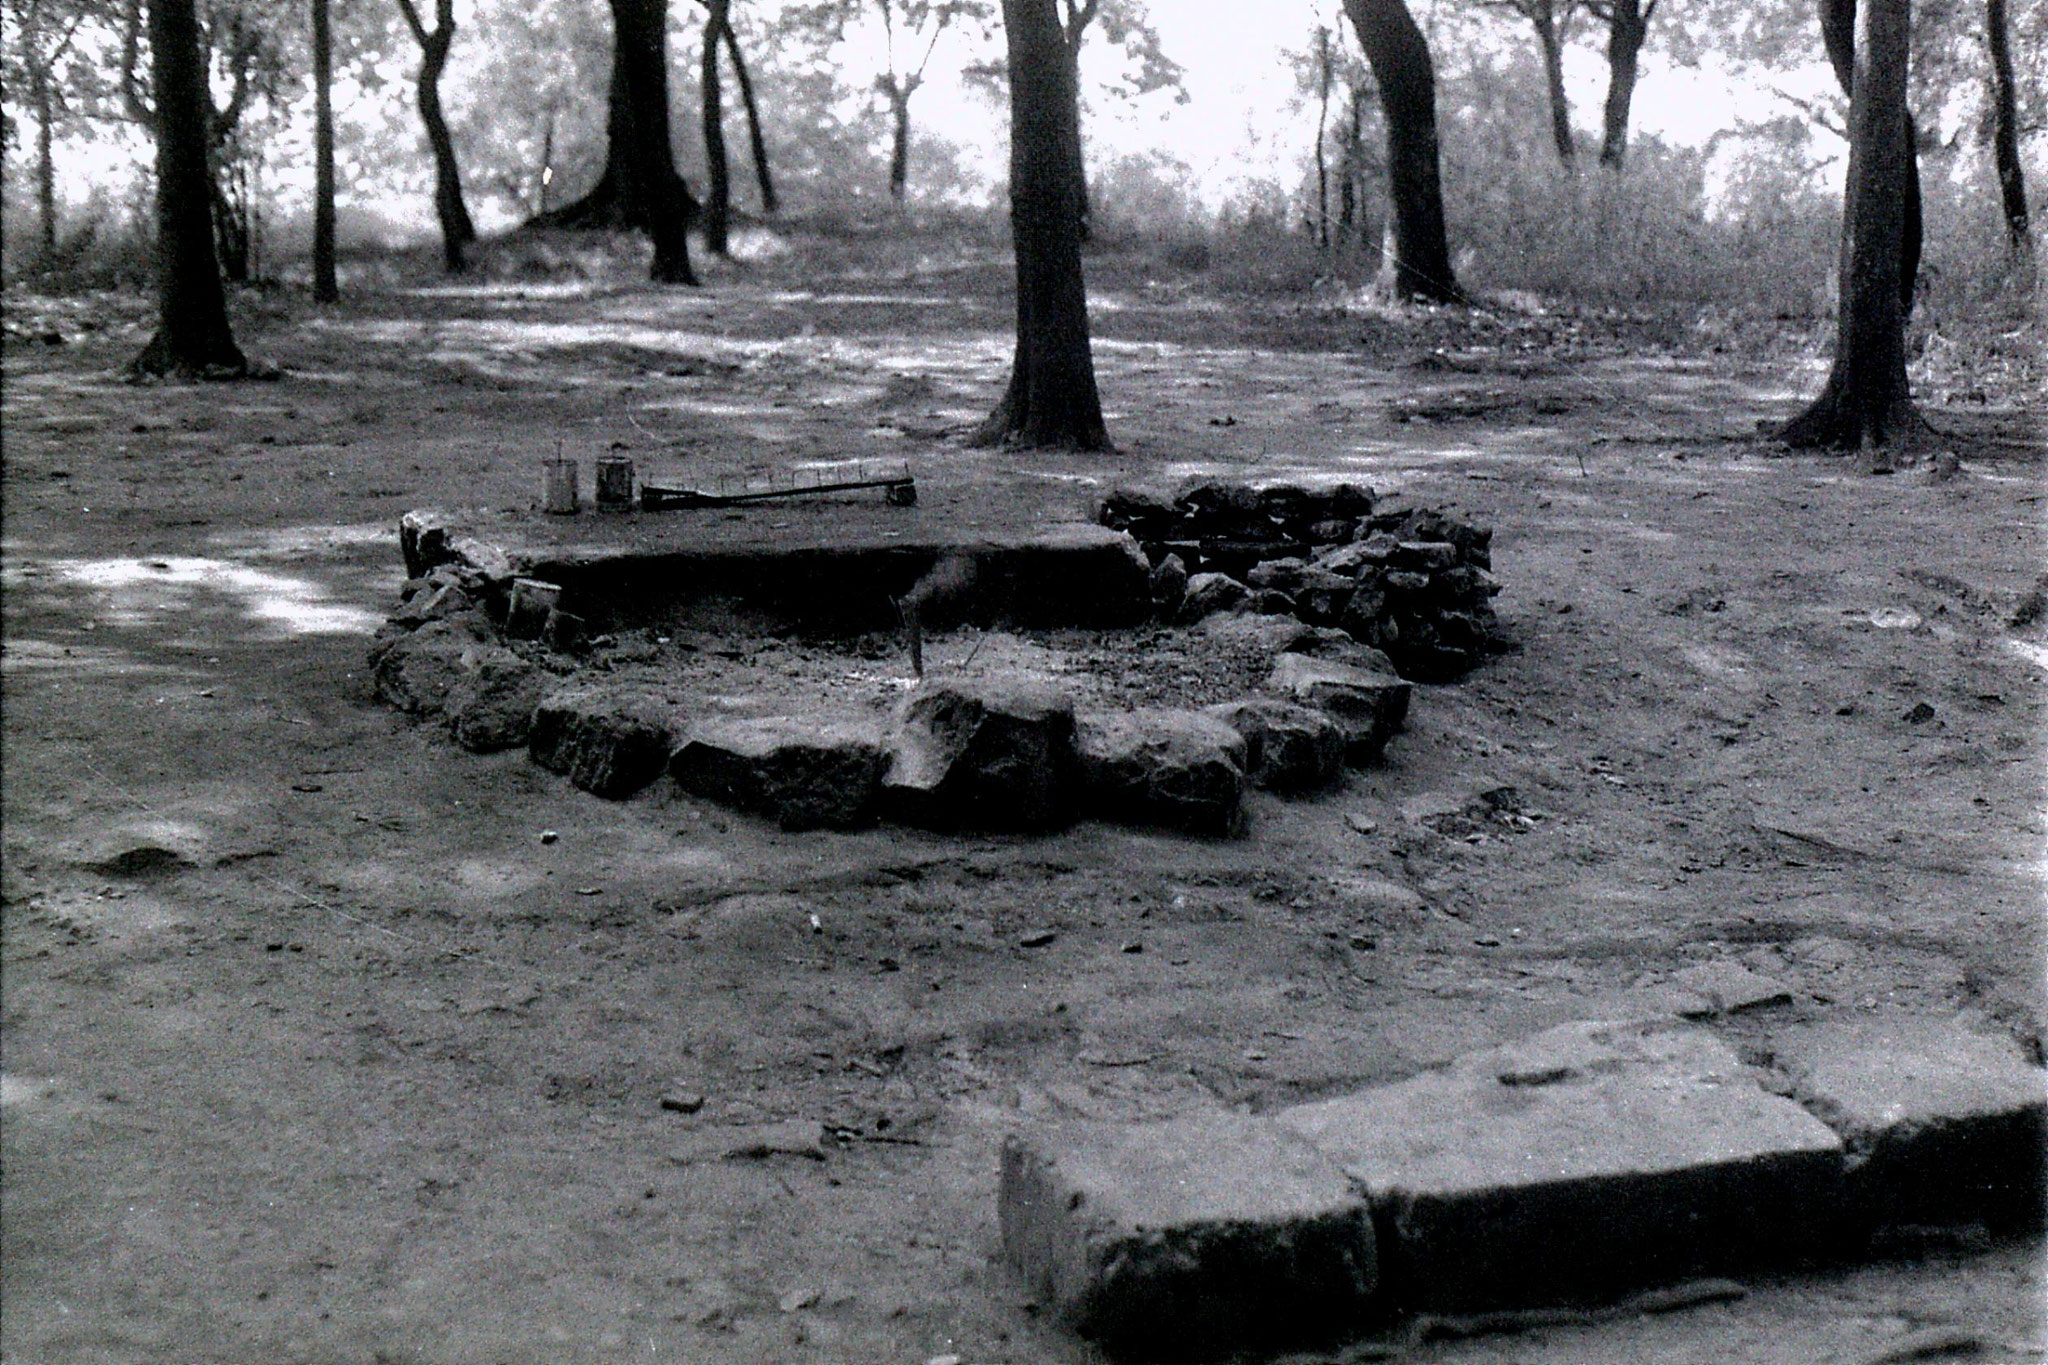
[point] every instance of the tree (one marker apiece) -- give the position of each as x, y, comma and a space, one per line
1324, 77
757, 144
2005, 138
193, 339
457, 230
1051, 399
240, 39
639, 186
1866, 401
1628, 25
325, 289
1552, 19
1838, 32
717, 174
43, 34
1419, 264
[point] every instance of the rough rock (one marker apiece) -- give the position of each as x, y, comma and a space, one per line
1288, 748
982, 755
609, 743
422, 541
1368, 704
1196, 1237
1181, 769
803, 772
1338, 645
1285, 575
1942, 1124
1169, 587
1209, 593
416, 671
1586, 1161
491, 708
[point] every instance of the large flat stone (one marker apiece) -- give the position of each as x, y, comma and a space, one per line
1180, 769
1370, 705
982, 754
804, 772
492, 707
1195, 1237
834, 563
1942, 1124
1580, 1163
609, 743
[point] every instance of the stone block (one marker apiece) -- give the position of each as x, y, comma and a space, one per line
1197, 1237
803, 772
1581, 1163
492, 707
1288, 748
984, 754
609, 743
422, 541
1942, 1124
1368, 704
1169, 587
415, 672
1181, 769
1209, 593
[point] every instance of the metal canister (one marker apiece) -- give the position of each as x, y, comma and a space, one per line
614, 483
558, 486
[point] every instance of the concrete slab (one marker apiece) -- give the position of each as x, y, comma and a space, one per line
1585, 1161
825, 563
1942, 1124
1196, 1237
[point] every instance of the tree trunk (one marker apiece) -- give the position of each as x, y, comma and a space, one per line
192, 337
1051, 399
1838, 34
717, 172
757, 144
1866, 401
1627, 25
2005, 140
46, 170
325, 287
1073, 31
1420, 258
899, 141
639, 187
1551, 42
1350, 166
1322, 133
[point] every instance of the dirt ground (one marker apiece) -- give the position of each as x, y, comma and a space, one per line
316, 1050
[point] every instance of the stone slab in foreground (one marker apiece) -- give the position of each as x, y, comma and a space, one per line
1157, 766
1195, 1237
805, 772
1582, 1162
1942, 1124
610, 743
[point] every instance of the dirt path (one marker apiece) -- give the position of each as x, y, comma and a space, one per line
356, 1066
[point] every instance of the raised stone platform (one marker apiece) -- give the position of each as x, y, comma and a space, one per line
834, 566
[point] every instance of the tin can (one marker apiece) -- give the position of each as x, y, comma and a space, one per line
558, 486
614, 483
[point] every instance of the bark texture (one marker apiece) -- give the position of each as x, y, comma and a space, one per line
1420, 259
1051, 399
325, 287
193, 339
2005, 137
1866, 401
639, 187
457, 229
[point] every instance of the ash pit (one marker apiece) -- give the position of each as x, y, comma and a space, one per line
838, 664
